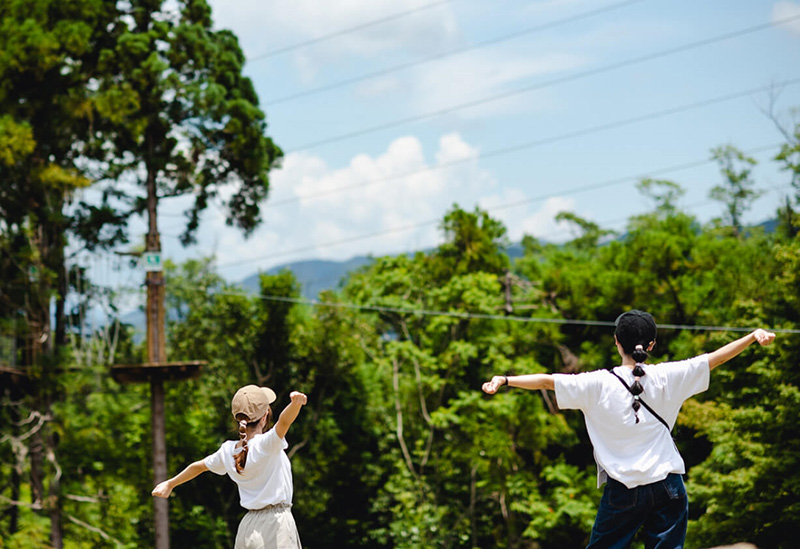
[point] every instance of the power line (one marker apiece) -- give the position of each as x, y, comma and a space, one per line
486, 43
342, 32
505, 95
484, 316
552, 233
538, 142
507, 205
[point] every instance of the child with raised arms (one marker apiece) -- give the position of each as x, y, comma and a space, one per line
259, 466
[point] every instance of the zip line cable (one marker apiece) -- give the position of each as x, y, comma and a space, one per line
437, 57
576, 190
569, 78
486, 316
539, 142
342, 32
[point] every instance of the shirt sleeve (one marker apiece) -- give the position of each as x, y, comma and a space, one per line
268, 443
215, 462
686, 378
574, 390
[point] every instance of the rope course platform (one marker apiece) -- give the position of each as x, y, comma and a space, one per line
150, 371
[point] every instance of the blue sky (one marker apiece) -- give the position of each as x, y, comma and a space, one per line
553, 112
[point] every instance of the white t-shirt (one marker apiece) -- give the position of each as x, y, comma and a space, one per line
633, 453
267, 476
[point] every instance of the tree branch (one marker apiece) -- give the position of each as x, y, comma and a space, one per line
399, 410
84, 499
94, 529
36, 505
422, 403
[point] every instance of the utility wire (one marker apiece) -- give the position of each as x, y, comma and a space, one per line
478, 45
539, 142
577, 76
507, 205
363, 26
484, 316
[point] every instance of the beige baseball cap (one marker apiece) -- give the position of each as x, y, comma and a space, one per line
252, 401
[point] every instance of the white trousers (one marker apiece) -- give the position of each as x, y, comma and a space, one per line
268, 529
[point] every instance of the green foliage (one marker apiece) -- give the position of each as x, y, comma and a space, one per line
93, 92
177, 109
664, 193
737, 190
397, 446
474, 242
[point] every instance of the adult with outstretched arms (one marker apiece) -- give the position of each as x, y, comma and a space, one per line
629, 412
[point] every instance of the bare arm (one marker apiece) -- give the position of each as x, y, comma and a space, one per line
290, 413
732, 349
531, 381
164, 489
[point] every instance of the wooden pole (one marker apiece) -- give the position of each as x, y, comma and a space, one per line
161, 505
157, 369
156, 353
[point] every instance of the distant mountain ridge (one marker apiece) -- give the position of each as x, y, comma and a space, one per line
313, 275
317, 275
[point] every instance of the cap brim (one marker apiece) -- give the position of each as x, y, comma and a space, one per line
271, 396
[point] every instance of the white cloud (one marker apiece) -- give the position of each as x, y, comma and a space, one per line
309, 216
529, 218
322, 221
479, 75
542, 223
785, 10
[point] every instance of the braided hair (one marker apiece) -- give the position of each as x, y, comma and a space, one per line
240, 454
635, 331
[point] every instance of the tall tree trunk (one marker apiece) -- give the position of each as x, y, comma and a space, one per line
50, 241
54, 493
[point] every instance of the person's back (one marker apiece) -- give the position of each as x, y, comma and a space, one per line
267, 478
259, 466
630, 451
629, 413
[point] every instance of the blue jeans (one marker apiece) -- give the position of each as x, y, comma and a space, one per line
661, 508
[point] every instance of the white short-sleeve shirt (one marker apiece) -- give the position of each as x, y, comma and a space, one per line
633, 453
267, 476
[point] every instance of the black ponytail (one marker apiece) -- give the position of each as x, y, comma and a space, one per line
639, 355
635, 331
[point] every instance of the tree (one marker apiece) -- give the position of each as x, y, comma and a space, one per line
664, 193
99, 92
48, 53
591, 233
183, 118
473, 242
737, 189
789, 159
